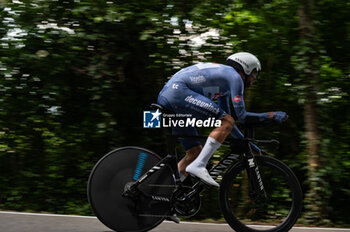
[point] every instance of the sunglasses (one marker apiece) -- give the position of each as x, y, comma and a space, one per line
254, 74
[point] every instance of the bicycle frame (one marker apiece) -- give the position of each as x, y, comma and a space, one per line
122, 184
241, 147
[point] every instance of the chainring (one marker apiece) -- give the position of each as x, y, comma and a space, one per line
183, 204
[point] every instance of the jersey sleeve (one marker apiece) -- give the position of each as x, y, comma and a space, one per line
236, 133
243, 116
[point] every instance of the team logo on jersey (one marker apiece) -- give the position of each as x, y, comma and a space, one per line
197, 79
237, 99
151, 119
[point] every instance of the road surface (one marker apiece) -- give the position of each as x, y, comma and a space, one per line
30, 222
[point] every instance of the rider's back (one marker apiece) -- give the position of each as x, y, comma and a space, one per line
209, 79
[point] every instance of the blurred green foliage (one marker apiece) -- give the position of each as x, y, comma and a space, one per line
75, 77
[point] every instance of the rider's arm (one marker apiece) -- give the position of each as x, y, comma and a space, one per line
243, 116
224, 104
236, 133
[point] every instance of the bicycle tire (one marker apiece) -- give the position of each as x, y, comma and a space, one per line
279, 181
107, 182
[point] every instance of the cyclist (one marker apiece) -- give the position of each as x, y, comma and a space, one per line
194, 89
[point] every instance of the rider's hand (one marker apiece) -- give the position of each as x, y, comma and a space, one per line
279, 116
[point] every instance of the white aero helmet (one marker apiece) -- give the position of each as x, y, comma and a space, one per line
246, 60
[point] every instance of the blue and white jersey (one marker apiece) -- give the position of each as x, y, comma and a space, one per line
194, 89
216, 82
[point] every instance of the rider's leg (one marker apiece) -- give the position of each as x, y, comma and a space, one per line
181, 100
191, 154
221, 133
216, 137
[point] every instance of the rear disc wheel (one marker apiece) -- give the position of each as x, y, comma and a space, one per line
113, 173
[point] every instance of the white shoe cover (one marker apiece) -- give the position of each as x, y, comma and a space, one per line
201, 173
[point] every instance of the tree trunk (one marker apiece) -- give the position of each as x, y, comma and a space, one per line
314, 198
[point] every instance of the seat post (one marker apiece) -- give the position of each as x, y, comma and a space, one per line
171, 141
171, 144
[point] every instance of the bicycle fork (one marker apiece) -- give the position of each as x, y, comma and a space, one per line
256, 190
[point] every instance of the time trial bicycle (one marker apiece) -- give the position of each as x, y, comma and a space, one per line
132, 189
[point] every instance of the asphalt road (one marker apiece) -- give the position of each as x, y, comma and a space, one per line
27, 222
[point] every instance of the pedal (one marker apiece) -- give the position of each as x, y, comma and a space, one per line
199, 181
